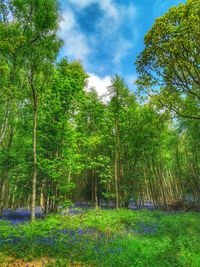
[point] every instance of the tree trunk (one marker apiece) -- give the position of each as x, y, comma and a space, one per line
116, 179
34, 179
95, 191
2, 197
4, 126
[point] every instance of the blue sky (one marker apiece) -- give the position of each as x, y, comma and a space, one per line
107, 35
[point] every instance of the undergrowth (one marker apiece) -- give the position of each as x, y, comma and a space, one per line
107, 238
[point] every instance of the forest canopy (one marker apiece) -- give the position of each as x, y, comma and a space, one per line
170, 64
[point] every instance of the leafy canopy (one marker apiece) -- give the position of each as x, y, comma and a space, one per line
170, 64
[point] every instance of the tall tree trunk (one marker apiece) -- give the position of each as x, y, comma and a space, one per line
4, 126
34, 179
2, 197
179, 170
95, 191
116, 178
42, 197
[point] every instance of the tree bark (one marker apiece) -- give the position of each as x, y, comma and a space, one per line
4, 126
34, 179
116, 179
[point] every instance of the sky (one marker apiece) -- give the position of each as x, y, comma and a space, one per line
107, 35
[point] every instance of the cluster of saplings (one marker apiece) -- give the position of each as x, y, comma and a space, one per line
61, 142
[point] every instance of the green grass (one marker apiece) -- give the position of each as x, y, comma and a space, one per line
108, 238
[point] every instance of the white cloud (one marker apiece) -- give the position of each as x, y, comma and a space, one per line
114, 16
110, 26
109, 7
75, 42
100, 84
109, 36
129, 11
68, 22
122, 48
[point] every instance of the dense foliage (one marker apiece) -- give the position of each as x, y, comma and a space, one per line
170, 60
60, 142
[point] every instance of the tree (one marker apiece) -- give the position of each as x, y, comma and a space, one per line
169, 65
38, 21
120, 103
57, 132
91, 124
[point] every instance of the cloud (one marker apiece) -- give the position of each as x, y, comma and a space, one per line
108, 41
106, 5
112, 27
100, 84
75, 42
109, 8
122, 49
115, 17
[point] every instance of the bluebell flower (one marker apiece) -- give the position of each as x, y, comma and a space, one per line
80, 231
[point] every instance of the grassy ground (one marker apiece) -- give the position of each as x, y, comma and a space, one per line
105, 238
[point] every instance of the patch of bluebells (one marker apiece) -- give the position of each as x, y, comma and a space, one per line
143, 228
80, 235
147, 205
80, 207
105, 205
99, 241
20, 215
63, 240
11, 240
72, 210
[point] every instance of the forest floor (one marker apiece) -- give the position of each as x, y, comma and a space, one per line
13, 262
103, 238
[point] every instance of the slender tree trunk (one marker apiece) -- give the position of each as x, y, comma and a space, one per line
95, 191
164, 202
4, 189
14, 193
116, 179
92, 196
4, 126
42, 198
2, 198
69, 174
146, 185
179, 171
34, 179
